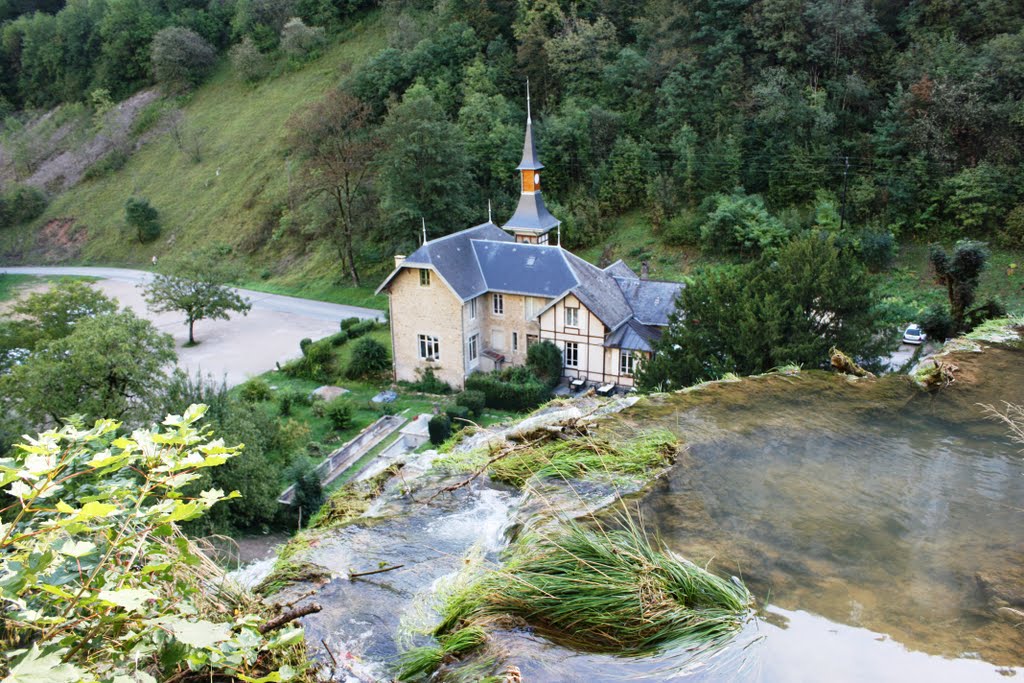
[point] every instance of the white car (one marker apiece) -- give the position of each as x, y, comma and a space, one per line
914, 335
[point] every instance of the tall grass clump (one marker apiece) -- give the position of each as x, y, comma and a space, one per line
593, 590
593, 455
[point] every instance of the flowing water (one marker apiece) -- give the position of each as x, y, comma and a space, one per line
880, 528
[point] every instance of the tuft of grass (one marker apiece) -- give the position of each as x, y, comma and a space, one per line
592, 590
419, 663
607, 591
590, 456
287, 572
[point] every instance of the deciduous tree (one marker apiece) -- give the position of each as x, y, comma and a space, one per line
109, 365
198, 288
336, 145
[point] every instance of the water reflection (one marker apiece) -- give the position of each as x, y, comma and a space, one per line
901, 523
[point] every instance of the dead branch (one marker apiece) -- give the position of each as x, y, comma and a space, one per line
289, 616
356, 575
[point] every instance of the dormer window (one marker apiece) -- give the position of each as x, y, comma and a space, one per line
424, 277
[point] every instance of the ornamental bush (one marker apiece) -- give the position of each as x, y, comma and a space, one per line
369, 359
544, 360
99, 581
339, 412
473, 400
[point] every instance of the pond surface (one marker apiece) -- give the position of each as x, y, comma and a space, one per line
880, 528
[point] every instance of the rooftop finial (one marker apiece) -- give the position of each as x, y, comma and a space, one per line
489, 220
424, 229
529, 119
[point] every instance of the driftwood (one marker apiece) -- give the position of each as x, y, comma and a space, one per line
843, 363
289, 616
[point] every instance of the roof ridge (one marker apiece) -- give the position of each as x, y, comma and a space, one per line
460, 232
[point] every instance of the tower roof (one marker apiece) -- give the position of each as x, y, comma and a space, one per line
531, 215
530, 161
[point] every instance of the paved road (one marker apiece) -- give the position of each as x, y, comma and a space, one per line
234, 349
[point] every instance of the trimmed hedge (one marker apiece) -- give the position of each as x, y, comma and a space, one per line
440, 429
515, 389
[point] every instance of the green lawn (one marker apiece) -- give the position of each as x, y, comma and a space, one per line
364, 412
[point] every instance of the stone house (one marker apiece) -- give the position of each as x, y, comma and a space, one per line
477, 299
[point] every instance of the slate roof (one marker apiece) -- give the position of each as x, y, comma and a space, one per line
518, 268
453, 258
634, 336
598, 292
620, 269
651, 301
531, 214
530, 162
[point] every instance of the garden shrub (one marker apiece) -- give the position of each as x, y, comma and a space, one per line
544, 360
515, 389
317, 362
369, 359
440, 429
459, 415
290, 398
473, 400
339, 412
255, 390
937, 323
428, 383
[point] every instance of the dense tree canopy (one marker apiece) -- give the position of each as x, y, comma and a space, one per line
787, 307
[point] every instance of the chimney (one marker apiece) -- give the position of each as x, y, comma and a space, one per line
399, 260
645, 270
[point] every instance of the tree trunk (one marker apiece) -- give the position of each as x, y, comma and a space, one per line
191, 337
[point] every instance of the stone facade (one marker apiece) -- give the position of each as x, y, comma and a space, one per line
432, 310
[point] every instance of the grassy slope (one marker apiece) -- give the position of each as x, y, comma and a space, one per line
222, 199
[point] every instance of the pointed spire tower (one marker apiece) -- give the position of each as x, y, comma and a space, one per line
532, 221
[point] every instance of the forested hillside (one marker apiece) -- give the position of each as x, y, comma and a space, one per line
726, 125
